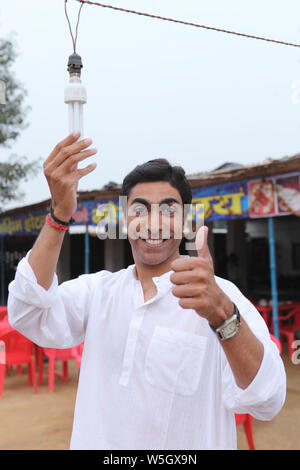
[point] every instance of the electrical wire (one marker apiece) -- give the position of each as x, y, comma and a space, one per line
74, 40
187, 23
78, 19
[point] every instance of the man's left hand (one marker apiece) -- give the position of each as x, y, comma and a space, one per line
195, 284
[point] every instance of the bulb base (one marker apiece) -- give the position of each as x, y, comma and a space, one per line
75, 64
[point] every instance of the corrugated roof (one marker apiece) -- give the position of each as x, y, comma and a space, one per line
268, 167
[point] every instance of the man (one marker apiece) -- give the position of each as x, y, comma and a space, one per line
171, 351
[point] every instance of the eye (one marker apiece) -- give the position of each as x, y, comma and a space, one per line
169, 210
139, 210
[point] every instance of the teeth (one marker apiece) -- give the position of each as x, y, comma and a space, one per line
154, 242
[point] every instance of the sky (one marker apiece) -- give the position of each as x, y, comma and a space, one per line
155, 89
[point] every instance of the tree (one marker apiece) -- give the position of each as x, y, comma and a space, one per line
11, 174
12, 122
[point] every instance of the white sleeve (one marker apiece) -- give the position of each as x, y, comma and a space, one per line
53, 318
265, 396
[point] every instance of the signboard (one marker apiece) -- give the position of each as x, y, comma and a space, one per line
274, 196
265, 197
225, 201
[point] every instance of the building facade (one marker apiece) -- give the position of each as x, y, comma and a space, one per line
237, 204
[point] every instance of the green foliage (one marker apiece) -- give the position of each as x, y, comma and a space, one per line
12, 122
12, 113
11, 174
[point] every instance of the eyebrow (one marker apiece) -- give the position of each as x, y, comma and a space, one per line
167, 200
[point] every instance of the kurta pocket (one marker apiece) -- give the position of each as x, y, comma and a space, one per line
174, 360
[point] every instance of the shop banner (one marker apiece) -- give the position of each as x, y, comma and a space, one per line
264, 197
225, 201
274, 196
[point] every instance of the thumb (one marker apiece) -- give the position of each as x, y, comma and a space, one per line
202, 244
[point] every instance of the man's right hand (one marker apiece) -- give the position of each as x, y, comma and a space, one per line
62, 173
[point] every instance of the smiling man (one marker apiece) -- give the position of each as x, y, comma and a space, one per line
171, 351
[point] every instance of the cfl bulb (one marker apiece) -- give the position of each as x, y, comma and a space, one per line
75, 95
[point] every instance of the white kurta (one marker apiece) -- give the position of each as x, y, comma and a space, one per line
153, 375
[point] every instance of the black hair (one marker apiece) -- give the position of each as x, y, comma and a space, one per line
158, 169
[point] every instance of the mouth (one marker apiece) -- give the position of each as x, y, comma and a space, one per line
154, 243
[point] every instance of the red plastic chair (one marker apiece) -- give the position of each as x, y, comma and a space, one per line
54, 355
245, 418
79, 355
289, 322
247, 421
5, 326
18, 351
3, 313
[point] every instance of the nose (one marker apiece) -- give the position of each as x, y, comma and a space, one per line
155, 221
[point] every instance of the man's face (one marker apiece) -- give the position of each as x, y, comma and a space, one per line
154, 222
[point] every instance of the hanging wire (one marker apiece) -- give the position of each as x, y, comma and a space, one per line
74, 40
188, 23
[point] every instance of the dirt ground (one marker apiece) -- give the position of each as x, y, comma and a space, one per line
44, 420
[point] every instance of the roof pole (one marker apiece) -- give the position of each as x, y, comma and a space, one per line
273, 277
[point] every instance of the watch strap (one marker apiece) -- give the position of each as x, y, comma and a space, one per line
236, 316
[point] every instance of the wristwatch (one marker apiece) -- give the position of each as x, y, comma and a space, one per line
230, 326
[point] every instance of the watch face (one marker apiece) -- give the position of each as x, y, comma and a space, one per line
230, 329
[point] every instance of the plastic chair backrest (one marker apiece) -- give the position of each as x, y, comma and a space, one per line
5, 326
3, 311
17, 343
287, 311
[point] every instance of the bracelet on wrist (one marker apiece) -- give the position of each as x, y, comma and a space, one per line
60, 222
62, 228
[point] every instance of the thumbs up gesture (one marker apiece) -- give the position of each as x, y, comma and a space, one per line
196, 287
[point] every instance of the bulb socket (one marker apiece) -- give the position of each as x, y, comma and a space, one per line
75, 64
